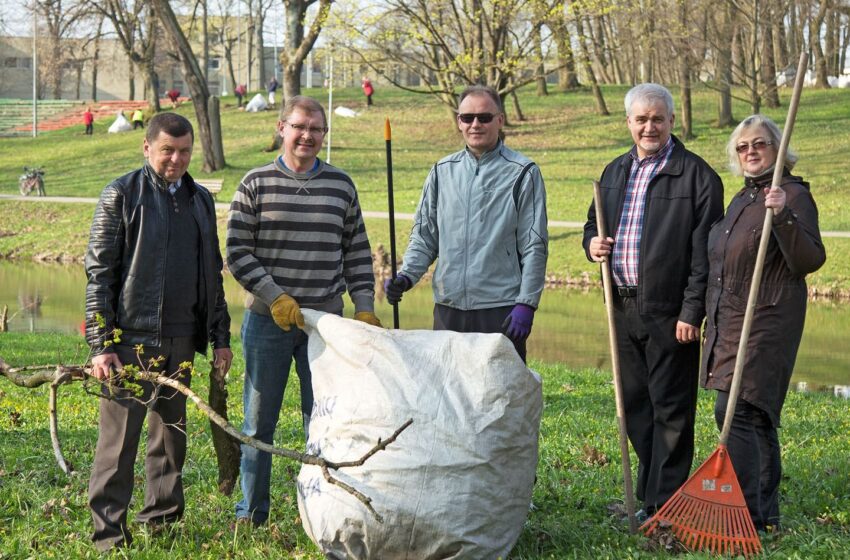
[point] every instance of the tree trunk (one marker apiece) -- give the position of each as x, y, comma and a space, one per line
567, 77
588, 68
685, 79
206, 39
542, 91
249, 50
753, 65
517, 109
647, 73
261, 48
149, 62
815, 44
768, 68
723, 78
96, 59
780, 46
227, 449
197, 87
131, 71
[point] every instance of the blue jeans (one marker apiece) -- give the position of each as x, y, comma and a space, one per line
268, 354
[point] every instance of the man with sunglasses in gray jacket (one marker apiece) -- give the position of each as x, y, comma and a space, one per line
483, 214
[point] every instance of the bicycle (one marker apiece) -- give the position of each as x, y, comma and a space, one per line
32, 180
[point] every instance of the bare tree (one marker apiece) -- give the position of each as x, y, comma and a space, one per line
60, 20
297, 45
450, 44
601, 108
815, 24
205, 112
134, 23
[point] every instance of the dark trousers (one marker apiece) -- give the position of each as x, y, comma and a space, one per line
754, 449
89, 128
659, 378
138, 124
120, 428
475, 320
369, 100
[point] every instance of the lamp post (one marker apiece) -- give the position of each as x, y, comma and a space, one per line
34, 73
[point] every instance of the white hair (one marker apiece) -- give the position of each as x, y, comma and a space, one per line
773, 133
649, 93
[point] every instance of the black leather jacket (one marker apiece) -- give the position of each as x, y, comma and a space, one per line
682, 202
125, 263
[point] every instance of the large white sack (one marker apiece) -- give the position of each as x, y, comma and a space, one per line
257, 103
458, 482
121, 124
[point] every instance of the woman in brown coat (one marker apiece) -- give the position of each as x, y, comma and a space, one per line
794, 250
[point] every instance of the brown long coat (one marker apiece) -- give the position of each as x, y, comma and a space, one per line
795, 249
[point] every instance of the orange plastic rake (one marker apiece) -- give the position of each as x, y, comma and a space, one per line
709, 511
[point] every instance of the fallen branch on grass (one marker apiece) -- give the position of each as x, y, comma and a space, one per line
56, 375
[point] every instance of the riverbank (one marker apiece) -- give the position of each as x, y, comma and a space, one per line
52, 232
44, 514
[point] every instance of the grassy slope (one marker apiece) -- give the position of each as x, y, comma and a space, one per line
44, 513
562, 133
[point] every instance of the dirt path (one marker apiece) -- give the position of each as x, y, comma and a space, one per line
366, 213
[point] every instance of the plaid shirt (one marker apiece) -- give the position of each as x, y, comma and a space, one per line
625, 259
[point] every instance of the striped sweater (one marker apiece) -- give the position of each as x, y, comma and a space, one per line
301, 234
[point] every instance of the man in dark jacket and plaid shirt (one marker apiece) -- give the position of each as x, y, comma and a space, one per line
660, 200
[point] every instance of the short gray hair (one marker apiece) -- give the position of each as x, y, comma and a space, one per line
305, 104
773, 133
649, 93
482, 91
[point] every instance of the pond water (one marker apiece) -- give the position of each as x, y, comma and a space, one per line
570, 327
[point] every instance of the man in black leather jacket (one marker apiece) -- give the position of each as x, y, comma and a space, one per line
154, 272
659, 201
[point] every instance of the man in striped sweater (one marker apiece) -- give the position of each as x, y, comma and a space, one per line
295, 238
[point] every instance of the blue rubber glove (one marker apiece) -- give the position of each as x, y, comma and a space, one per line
395, 287
517, 325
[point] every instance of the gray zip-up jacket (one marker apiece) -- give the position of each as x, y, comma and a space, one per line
486, 221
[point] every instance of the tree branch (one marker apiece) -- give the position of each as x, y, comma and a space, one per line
58, 375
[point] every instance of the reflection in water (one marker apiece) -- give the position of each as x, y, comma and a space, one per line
29, 307
570, 326
840, 391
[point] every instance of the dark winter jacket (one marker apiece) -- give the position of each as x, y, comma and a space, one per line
794, 250
683, 200
125, 263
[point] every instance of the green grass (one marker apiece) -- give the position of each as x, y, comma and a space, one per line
562, 133
44, 514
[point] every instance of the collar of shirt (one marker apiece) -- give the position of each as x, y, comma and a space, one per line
312, 170
172, 187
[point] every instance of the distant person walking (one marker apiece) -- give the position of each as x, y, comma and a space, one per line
368, 90
88, 120
240, 92
138, 119
272, 87
173, 94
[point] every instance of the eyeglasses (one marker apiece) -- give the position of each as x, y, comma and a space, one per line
301, 129
483, 118
758, 146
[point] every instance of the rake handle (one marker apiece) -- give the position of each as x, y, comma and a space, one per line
615, 366
762, 251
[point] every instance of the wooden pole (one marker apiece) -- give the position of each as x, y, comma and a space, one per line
615, 366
